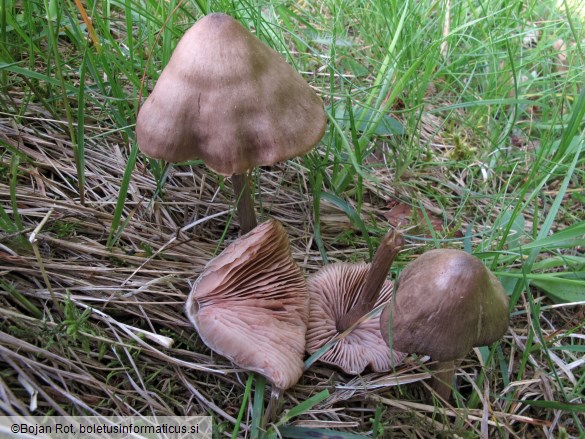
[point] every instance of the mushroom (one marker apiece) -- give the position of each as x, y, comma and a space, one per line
340, 295
227, 98
250, 304
446, 303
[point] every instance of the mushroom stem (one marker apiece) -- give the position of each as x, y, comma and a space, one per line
273, 405
245, 203
387, 251
442, 381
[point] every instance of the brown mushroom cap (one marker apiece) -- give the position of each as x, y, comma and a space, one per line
227, 98
250, 305
333, 291
447, 302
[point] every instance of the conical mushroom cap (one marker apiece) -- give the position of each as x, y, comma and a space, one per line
250, 305
333, 291
446, 303
227, 98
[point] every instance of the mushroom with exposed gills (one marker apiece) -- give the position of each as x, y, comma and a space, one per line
340, 295
447, 301
228, 99
250, 304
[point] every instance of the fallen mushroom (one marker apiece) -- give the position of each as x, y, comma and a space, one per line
227, 98
446, 303
250, 305
340, 295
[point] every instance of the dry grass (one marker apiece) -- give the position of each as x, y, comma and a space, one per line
84, 327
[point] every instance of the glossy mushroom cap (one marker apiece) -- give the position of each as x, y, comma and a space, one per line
250, 305
447, 302
227, 98
333, 291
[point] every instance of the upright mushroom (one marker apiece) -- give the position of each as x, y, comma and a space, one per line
250, 305
446, 303
227, 98
340, 295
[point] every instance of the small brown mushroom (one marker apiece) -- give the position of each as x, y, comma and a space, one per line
227, 98
250, 305
446, 303
340, 296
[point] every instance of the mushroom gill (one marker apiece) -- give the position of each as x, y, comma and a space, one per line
250, 304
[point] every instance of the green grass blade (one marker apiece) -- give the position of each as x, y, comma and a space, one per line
115, 229
303, 407
555, 405
22, 300
319, 433
352, 214
244, 405
548, 222
79, 147
258, 407
562, 290
572, 129
14, 162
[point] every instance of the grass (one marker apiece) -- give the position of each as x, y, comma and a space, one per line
467, 115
